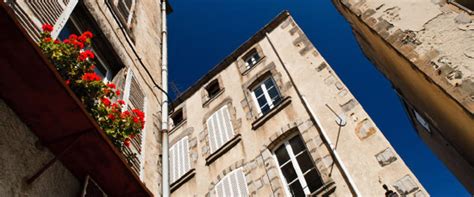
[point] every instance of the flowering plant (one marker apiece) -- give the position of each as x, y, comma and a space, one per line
75, 63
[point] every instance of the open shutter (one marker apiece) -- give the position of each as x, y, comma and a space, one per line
34, 13
134, 98
220, 128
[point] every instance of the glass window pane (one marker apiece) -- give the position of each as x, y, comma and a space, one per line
258, 91
282, 155
313, 180
265, 109
304, 161
289, 172
274, 95
296, 189
269, 83
297, 145
262, 101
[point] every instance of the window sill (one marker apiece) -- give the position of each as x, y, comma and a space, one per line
264, 118
326, 189
223, 149
252, 67
178, 126
461, 7
205, 104
182, 180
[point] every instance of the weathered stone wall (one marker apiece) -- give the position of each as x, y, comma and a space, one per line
369, 157
21, 158
146, 31
424, 48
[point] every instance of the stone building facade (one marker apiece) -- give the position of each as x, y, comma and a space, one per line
127, 45
274, 119
426, 49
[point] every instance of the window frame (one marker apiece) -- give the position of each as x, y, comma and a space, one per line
294, 162
176, 113
208, 87
268, 99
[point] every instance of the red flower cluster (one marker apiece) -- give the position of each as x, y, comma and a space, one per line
86, 54
47, 28
90, 77
126, 142
105, 101
111, 85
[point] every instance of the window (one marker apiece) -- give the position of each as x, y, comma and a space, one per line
297, 168
233, 184
466, 4
179, 159
422, 121
177, 117
124, 9
101, 68
252, 58
220, 128
405, 185
266, 95
213, 89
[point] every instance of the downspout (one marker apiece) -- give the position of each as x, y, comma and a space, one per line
315, 118
164, 103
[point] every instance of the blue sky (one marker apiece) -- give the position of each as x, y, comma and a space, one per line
203, 32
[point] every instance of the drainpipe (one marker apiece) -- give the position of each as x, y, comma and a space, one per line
164, 103
315, 118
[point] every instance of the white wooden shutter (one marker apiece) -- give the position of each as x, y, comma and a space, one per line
220, 129
179, 159
54, 12
233, 184
134, 98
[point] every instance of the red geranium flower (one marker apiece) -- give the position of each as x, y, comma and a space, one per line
48, 39
105, 101
90, 77
111, 117
136, 120
78, 44
111, 85
126, 142
57, 41
86, 54
72, 37
117, 92
121, 102
47, 27
82, 38
87, 34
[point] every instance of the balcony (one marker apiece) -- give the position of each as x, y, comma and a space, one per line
32, 87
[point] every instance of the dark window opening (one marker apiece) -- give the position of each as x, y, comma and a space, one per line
213, 89
177, 117
468, 4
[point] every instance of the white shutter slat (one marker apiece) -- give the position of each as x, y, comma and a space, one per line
228, 123
216, 132
186, 156
220, 128
172, 168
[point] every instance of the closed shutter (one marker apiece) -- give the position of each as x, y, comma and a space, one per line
134, 98
233, 184
220, 129
54, 12
179, 159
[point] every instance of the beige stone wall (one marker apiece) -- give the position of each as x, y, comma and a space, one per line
22, 158
146, 31
424, 48
358, 142
143, 54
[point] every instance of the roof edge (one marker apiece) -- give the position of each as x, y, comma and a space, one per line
231, 58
